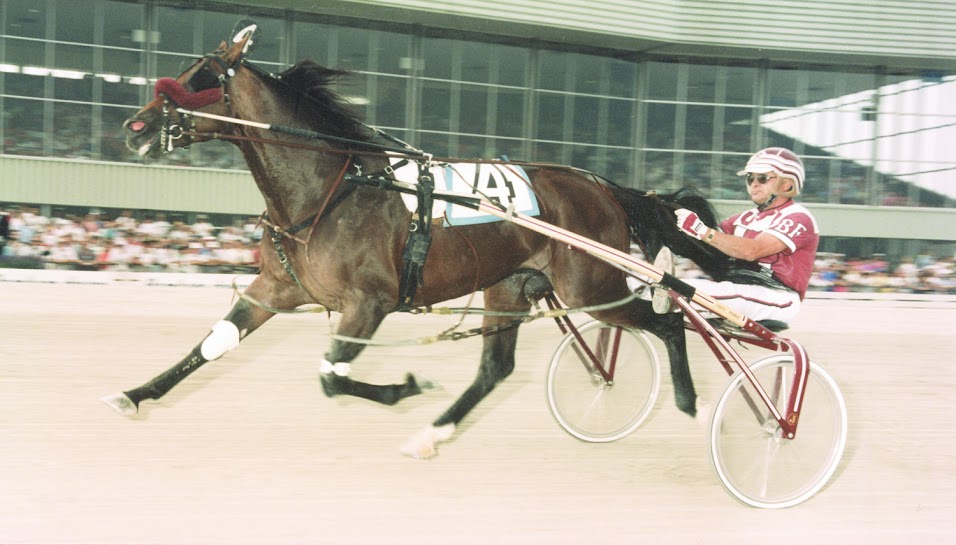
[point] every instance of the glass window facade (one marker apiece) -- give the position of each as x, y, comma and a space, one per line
71, 72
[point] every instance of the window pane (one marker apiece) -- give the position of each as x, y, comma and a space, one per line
621, 83
782, 140
119, 66
436, 106
74, 21
23, 127
586, 117
660, 125
71, 130
726, 184
546, 152
73, 58
175, 27
591, 74
393, 53
511, 148
513, 65
353, 53
25, 52
24, 85
510, 116
554, 67
437, 58
390, 101
218, 154
26, 18
619, 167
658, 170
700, 128
113, 141
312, 41
847, 186
550, 117
736, 130
472, 147
122, 22
587, 157
70, 89
702, 82
784, 86
740, 84
661, 81
357, 88
434, 143
474, 109
478, 62
373, 50
171, 66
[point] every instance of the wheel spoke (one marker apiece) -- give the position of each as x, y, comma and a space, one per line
583, 402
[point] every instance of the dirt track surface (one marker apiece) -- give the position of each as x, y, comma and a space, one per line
248, 450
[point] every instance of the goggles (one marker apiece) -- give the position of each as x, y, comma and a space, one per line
761, 179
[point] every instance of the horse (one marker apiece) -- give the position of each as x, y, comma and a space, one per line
343, 245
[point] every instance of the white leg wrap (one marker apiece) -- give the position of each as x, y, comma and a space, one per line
424, 444
341, 368
224, 337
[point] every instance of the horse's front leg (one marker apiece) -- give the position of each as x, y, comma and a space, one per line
242, 319
336, 365
513, 294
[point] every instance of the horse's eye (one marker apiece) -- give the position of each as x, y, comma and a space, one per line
203, 79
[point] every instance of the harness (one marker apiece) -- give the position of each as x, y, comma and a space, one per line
419, 240
277, 233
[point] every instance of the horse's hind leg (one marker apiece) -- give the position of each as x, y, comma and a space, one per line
243, 319
669, 328
514, 294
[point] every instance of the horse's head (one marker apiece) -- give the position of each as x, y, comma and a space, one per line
162, 126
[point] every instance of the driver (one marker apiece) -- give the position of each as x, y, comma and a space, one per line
778, 234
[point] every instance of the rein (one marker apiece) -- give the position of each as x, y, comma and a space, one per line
449, 334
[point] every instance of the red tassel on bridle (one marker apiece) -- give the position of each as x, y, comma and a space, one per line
174, 91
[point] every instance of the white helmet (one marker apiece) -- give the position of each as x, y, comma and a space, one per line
781, 161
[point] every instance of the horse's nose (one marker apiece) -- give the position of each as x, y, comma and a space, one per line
134, 125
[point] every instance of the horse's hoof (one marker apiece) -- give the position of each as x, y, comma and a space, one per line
424, 383
424, 444
121, 404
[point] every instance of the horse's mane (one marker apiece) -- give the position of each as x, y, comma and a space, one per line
306, 89
653, 225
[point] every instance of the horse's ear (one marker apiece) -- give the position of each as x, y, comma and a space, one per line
234, 51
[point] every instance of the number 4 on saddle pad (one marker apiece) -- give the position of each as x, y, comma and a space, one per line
505, 184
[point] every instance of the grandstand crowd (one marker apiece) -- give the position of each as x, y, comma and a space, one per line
98, 242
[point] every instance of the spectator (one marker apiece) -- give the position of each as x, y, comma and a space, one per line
96, 242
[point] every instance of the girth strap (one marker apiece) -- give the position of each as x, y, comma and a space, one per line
419, 239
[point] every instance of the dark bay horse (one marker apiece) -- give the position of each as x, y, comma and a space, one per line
341, 244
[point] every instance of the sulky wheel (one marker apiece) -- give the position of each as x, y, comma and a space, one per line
588, 405
754, 461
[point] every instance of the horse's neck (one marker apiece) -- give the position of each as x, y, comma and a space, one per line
293, 183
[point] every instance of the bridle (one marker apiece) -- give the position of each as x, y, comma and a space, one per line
206, 86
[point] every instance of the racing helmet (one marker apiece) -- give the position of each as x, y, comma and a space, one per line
780, 161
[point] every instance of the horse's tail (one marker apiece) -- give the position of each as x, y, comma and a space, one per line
653, 224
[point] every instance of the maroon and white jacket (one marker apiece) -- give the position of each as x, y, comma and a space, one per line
795, 226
